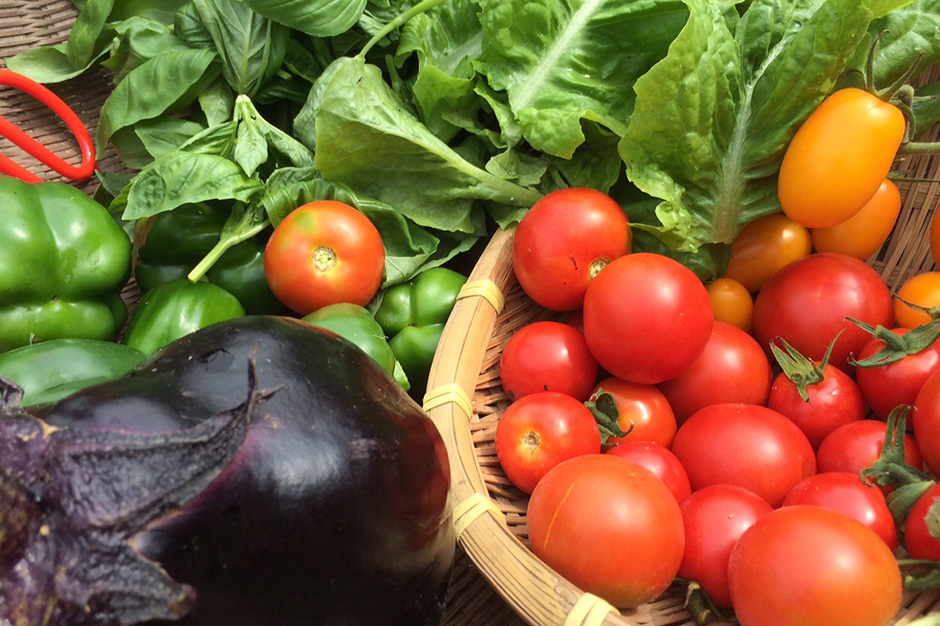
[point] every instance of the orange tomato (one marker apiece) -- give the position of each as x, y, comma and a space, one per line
765, 246
838, 158
732, 303
921, 289
864, 233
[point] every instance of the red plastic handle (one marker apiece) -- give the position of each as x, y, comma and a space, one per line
33, 147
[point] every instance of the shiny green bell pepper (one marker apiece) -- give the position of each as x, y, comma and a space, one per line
170, 244
413, 316
177, 308
357, 325
51, 370
63, 263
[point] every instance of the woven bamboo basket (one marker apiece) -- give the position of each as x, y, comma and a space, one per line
466, 400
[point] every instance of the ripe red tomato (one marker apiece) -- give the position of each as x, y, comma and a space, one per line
547, 356
732, 368
838, 158
746, 445
807, 302
541, 430
810, 566
732, 303
644, 412
563, 241
609, 526
646, 317
886, 387
715, 517
864, 233
919, 542
764, 247
845, 493
855, 446
324, 252
834, 401
922, 290
926, 418
659, 460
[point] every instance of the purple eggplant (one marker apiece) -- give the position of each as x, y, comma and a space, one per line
261, 471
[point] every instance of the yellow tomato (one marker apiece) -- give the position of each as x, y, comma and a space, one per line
922, 290
732, 303
765, 246
864, 233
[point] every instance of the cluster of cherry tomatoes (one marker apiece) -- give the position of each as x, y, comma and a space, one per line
668, 430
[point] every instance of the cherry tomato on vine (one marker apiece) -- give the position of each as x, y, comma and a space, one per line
864, 233
886, 387
764, 247
715, 517
547, 356
563, 241
324, 252
732, 303
922, 290
839, 157
810, 566
646, 317
644, 412
919, 542
659, 460
855, 446
609, 526
541, 430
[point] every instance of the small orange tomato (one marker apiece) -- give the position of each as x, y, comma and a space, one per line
922, 290
765, 246
864, 233
838, 158
732, 303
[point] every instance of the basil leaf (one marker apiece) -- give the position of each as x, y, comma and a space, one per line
88, 27
49, 64
320, 18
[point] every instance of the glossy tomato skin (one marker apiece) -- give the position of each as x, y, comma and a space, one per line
919, 542
845, 493
547, 356
732, 368
922, 290
864, 233
839, 157
541, 430
926, 418
646, 317
324, 252
563, 241
609, 526
747, 445
715, 517
886, 387
659, 460
764, 247
855, 446
644, 413
834, 401
810, 566
732, 303
807, 302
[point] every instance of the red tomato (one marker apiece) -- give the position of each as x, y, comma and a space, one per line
838, 158
646, 317
809, 566
547, 356
922, 290
732, 368
834, 401
732, 303
807, 302
926, 418
886, 387
764, 247
563, 241
644, 412
864, 233
538, 432
919, 542
746, 445
324, 252
715, 517
855, 446
659, 460
845, 493
609, 526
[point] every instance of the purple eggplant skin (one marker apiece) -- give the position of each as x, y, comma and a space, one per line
321, 499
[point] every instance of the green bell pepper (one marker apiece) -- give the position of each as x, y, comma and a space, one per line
177, 308
51, 370
413, 316
356, 324
63, 263
170, 244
